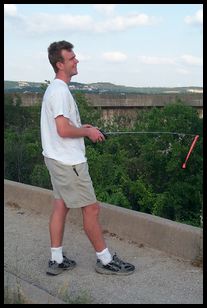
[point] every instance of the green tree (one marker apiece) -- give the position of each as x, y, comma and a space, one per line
141, 172
162, 157
88, 113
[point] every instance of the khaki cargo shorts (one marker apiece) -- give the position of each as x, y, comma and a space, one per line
71, 183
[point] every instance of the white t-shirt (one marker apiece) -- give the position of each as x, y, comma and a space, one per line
58, 100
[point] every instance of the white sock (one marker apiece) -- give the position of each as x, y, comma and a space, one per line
57, 254
104, 256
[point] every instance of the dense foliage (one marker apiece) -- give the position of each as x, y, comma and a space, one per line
141, 172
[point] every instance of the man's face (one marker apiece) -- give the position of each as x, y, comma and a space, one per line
70, 62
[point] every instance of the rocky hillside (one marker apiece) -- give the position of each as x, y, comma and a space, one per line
99, 87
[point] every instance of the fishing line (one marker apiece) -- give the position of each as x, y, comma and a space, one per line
106, 134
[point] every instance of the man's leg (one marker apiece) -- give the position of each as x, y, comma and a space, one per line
92, 226
106, 264
58, 262
57, 222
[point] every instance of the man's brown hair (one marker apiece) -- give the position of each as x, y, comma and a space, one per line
54, 52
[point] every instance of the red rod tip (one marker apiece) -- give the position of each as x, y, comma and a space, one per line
184, 166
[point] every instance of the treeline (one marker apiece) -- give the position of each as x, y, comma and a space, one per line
141, 172
98, 87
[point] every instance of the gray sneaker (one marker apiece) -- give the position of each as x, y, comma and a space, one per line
115, 267
54, 268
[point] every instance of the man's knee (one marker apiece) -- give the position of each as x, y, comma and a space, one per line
91, 210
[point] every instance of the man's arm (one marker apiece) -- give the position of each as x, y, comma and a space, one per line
65, 129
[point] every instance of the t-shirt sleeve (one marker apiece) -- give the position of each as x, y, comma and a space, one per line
60, 104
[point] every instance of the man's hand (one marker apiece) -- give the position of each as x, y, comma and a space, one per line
94, 133
87, 125
66, 130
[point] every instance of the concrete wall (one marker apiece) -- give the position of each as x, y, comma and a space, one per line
113, 105
176, 239
125, 101
28, 99
128, 100
143, 100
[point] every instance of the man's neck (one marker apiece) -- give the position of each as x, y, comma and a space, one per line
62, 77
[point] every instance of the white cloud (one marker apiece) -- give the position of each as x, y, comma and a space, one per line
120, 23
184, 59
196, 19
44, 23
82, 57
191, 60
156, 60
10, 10
107, 9
114, 56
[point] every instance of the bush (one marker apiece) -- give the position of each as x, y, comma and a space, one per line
141, 171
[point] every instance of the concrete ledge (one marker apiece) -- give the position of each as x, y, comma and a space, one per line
174, 238
21, 290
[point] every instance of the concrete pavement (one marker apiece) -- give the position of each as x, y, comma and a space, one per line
160, 278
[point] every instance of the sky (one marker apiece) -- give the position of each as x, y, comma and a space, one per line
140, 45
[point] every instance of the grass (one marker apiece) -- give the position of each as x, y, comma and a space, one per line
14, 296
82, 298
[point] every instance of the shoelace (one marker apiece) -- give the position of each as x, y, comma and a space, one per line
117, 262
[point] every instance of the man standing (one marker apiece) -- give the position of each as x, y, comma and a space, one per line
62, 136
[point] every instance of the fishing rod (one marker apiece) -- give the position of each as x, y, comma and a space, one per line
106, 134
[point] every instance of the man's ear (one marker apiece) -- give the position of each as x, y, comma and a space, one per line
59, 65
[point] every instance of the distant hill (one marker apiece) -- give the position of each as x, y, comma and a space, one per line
98, 87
